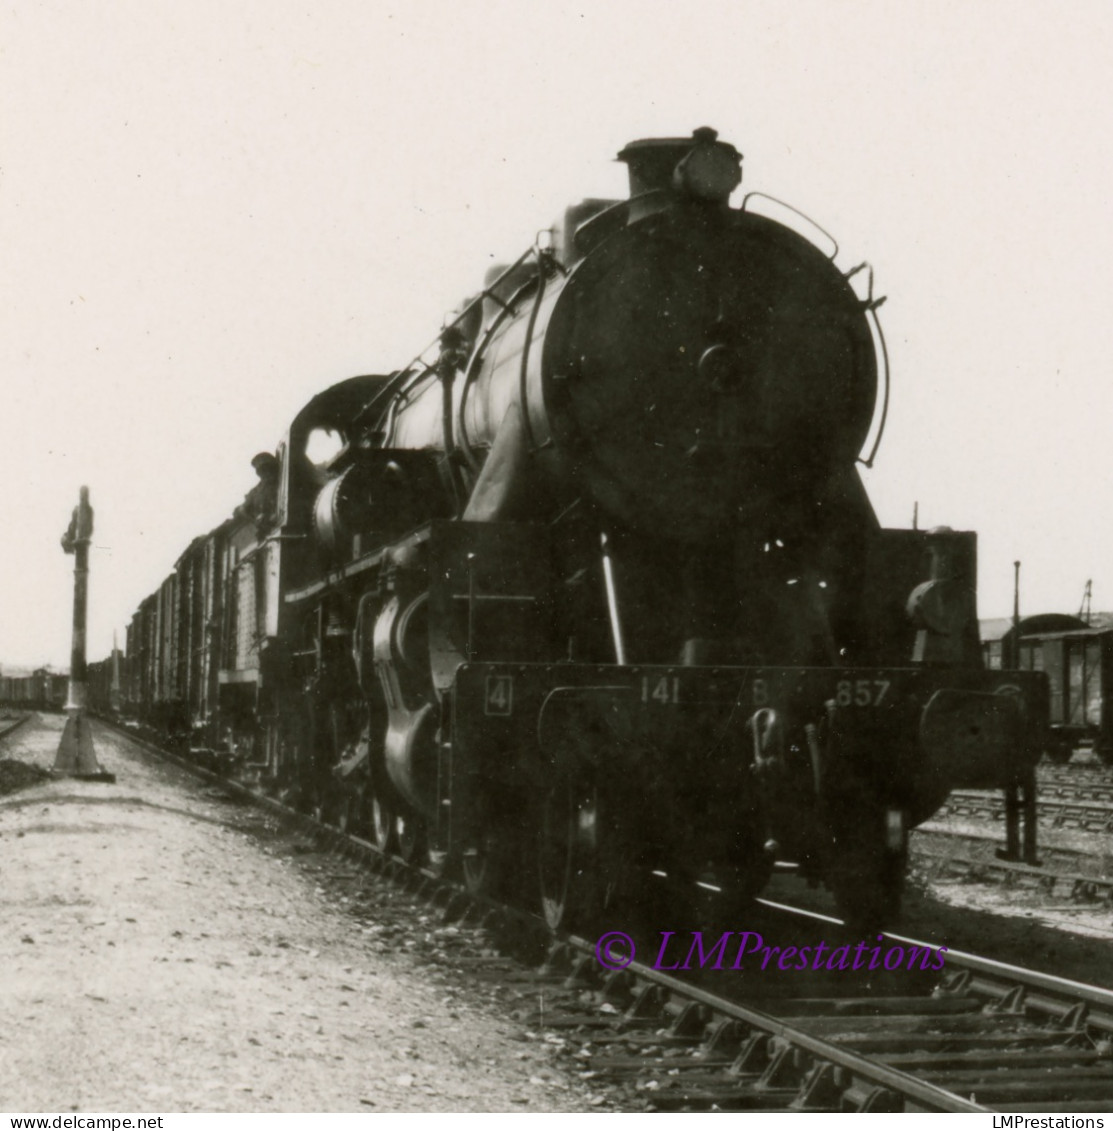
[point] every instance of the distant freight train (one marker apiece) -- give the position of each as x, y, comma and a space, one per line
1077, 659
42, 690
590, 598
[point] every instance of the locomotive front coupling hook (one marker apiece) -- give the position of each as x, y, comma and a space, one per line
768, 735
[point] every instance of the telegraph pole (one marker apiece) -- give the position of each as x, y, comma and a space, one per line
76, 757
114, 692
1016, 615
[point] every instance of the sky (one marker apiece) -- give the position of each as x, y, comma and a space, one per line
210, 211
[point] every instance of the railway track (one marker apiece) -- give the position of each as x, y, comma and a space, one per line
10, 721
1075, 772
986, 1036
1069, 788
1085, 875
1069, 801
1075, 871
1075, 808
977, 1036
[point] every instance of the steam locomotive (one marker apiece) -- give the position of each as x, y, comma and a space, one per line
589, 600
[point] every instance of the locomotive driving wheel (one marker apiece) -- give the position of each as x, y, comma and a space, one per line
353, 810
567, 855
500, 862
484, 866
382, 821
409, 833
344, 794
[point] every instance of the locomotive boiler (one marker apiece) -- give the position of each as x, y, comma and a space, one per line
589, 600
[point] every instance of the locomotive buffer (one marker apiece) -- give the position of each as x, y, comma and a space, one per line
76, 757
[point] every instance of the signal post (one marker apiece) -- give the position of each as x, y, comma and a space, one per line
76, 757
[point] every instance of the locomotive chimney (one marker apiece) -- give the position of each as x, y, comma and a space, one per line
662, 169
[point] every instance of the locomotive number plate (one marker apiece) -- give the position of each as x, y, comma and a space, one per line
861, 692
870, 692
665, 689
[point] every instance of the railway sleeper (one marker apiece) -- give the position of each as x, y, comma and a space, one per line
1050, 1058
845, 1028
866, 1006
621, 1065
914, 1042
1064, 1086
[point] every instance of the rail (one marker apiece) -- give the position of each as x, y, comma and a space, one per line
1025, 1039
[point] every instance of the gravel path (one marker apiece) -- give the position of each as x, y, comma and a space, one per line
164, 949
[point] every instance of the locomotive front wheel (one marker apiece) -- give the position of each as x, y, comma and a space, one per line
567, 837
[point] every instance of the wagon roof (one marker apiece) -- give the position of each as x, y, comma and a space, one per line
1044, 624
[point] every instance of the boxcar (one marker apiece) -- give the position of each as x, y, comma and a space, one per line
1079, 667
1078, 662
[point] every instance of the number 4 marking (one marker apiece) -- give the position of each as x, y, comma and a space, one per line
500, 695
665, 691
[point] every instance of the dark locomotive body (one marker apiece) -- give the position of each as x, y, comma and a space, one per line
595, 596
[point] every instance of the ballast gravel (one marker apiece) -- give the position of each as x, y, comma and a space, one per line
164, 949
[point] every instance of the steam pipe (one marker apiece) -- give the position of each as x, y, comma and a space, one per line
612, 601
